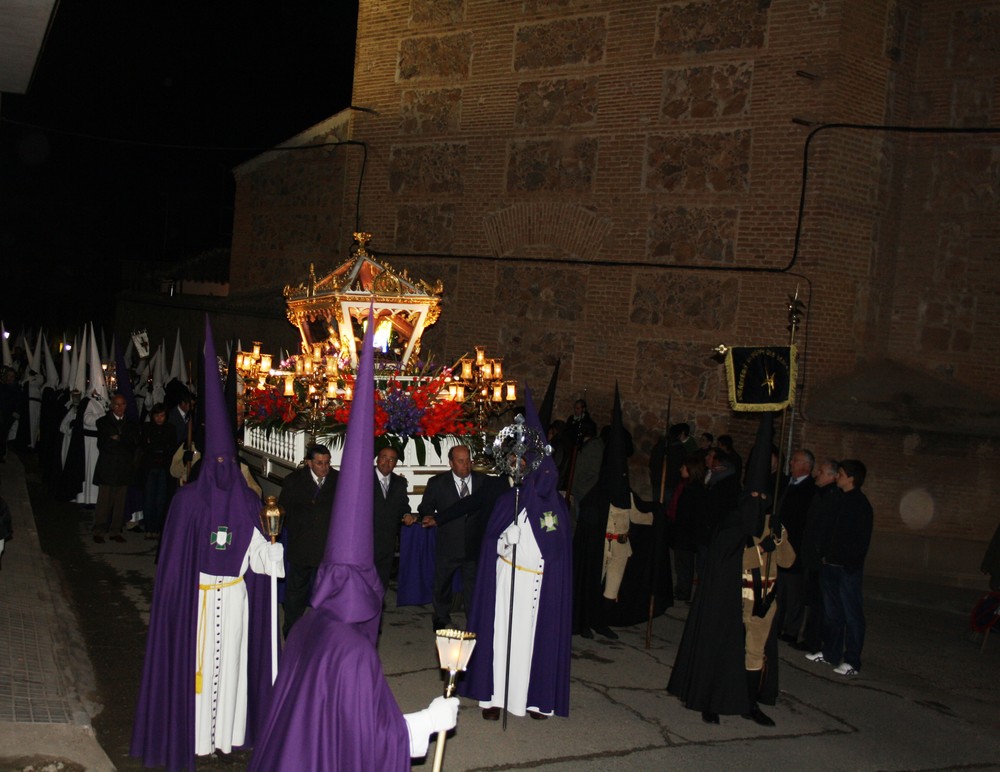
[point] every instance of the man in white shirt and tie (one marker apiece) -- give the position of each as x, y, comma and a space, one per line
458, 536
391, 505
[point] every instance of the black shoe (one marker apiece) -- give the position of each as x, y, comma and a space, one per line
587, 633
709, 718
98, 538
536, 715
491, 714
441, 624
759, 717
607, 632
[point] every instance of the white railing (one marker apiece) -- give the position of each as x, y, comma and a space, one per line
273, 455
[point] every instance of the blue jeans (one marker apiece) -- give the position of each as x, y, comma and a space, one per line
844, 617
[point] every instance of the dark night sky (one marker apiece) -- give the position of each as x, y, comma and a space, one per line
237, 77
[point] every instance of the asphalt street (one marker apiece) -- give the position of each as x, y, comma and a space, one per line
926, 699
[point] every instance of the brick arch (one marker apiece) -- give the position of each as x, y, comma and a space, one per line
570, 228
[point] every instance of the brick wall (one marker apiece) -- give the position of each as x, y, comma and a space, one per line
649, 148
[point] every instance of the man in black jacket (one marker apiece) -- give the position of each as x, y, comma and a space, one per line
307, 497
117, 442
843, 566
458, 537
391, 504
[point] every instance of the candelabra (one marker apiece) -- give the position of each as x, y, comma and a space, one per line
480, 380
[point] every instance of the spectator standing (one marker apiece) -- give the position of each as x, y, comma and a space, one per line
307, 496
841, 577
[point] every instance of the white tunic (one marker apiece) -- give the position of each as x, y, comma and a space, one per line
94, 410
527, 591
221, 648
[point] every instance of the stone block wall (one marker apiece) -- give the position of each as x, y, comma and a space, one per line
646, 152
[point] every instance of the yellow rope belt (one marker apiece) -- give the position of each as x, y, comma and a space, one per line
204, 625
520, 568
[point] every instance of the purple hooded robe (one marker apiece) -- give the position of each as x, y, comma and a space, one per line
332, 708
164, 729
548, 687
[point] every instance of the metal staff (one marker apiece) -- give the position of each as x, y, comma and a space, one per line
663, 493
795, 311
517, 452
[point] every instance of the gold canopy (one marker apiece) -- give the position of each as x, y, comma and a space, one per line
320, 307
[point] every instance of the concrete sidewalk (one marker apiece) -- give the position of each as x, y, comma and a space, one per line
45, 674
927, 697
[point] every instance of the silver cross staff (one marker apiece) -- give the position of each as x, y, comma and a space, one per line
518, 450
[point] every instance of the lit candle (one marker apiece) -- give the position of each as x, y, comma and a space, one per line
466, 369
265, 363
452, 391
498, 368
256, 349
331, 389
331, 365
307, 366
299, 365
317, 353
487, 371
348, 393
460, 392
497, 392
289, 386
480, 355
511, 391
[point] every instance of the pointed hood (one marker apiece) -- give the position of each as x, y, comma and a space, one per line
758, 478
544, 481
220, 466
549, 400
8, 360
124, 380
614, 466
177, 368
105, 351
347, 585
157, 390
66, 366
79, 382
98, 387
51, 373
35, 357
232, 386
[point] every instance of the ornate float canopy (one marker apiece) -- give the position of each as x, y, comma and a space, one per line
332, 310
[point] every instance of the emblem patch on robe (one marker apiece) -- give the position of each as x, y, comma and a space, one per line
549, 521
221, 538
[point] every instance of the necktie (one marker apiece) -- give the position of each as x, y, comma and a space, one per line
385, 487
464, 490
319, 485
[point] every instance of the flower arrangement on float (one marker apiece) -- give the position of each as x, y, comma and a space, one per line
411, 404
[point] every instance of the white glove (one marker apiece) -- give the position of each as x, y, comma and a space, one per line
513, 534
440, 716
276, 559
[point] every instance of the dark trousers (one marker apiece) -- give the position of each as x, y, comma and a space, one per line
298, 587
684, 569
154, 500
791, 609
812, 594
109, 512
445, 567
844, 625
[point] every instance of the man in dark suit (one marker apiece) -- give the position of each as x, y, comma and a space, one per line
792, 509
117, 440
458, 534
307, 497
391, 504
